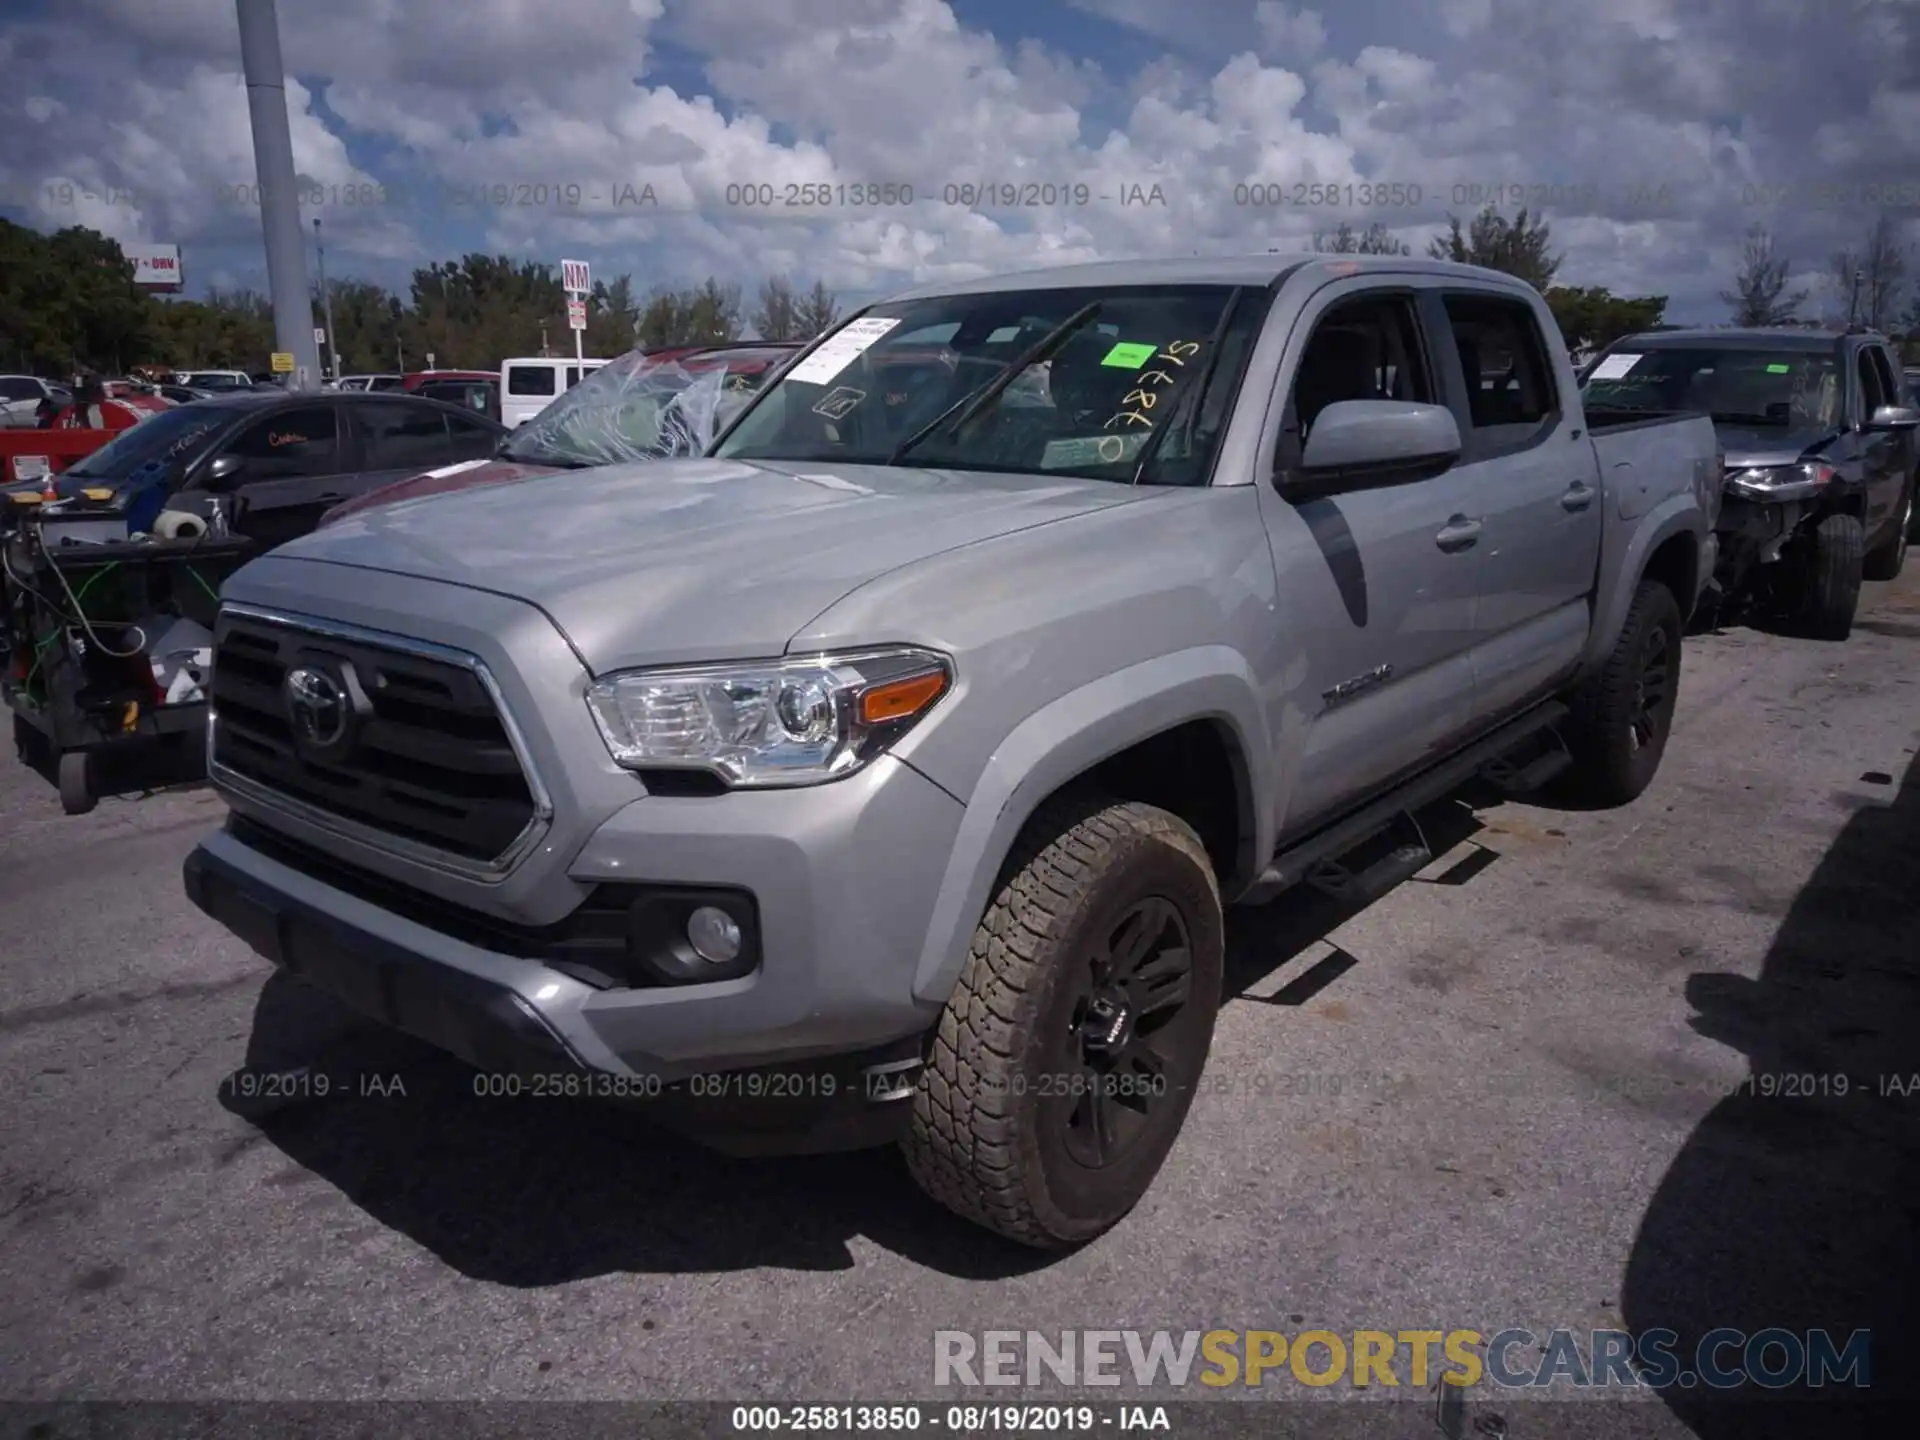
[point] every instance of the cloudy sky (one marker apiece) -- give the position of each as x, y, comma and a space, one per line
635, 133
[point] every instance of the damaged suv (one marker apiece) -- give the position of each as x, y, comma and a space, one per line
1821, 459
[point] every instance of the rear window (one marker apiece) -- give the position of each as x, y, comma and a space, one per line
1503, 360
530, 380
401, 436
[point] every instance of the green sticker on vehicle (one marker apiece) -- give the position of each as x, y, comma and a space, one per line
1129, 356
1779, 369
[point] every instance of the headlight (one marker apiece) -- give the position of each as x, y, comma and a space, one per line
768, 722
1786, 482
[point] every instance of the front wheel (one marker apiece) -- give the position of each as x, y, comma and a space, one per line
1623, 713
1832, 565
1066, 1060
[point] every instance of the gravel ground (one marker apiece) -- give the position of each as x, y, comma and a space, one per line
1508, 1094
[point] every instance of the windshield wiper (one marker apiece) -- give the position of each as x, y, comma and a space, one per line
968, 408
1741, 417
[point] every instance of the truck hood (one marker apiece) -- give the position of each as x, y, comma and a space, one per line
1762, 447
668, 561
463, 476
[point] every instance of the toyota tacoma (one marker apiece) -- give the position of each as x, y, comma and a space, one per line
880, 776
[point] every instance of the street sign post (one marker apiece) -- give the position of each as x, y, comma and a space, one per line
577, 282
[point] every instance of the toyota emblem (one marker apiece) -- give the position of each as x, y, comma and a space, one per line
317, 705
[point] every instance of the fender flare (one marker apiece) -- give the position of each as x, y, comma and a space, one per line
1676, 515
1064, 739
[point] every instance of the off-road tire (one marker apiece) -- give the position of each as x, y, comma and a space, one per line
1611, 766
985, 1139
1886, 562
1831, 566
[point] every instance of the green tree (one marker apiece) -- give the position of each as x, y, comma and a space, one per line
68, 301
777, 316
1376, 239
1593, 317
817, 311
367, 323
1520, 246
1759, 293
613, 318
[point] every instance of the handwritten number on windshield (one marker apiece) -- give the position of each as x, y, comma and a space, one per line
1143, 399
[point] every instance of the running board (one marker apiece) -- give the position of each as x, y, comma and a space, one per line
1309, 857
1330, 877
1535, 774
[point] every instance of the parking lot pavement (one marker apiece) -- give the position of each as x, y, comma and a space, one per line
1505, 1095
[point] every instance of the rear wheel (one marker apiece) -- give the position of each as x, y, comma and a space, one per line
1886, 562
1832, 565
1623, 713
1067, 1057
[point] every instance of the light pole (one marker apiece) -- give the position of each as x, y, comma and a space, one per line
279, 203
326, 302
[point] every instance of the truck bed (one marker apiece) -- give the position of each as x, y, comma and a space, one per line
1648, 459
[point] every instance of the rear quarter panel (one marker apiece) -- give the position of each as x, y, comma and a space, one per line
1659, 482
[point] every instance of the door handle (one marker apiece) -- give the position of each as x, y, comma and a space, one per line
1578, 497
328, 499
1459, 533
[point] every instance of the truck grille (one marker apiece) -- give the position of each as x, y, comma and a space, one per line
430, 761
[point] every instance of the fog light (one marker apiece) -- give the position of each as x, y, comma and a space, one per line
714, 935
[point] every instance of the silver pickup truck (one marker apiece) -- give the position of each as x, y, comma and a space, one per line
882, 774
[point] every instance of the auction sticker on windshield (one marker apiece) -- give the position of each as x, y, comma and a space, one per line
1083, 450
844, 347
1614, 366
1129, 356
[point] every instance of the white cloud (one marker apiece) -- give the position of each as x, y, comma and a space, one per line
1290, 32
1644, 130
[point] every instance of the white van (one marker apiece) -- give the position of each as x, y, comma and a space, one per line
529, 385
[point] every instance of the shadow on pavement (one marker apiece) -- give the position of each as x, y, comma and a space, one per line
535, 1192
1794, 1205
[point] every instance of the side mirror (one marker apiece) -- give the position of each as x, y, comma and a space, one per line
1894, 417
1356, 441
225, 468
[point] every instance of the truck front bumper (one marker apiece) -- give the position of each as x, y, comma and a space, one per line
786, 1057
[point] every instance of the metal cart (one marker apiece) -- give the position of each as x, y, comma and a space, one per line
89, 714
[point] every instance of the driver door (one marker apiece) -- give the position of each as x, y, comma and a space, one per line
285, 470
1378, 581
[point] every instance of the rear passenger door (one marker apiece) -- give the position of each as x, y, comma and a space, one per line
401, 437
1888, 454
1376, 589
1534, 487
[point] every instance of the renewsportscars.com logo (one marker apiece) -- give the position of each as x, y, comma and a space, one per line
1514, 1359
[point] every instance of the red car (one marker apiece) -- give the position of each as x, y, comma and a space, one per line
639, 407
417, 378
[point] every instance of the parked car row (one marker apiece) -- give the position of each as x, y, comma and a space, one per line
893, 754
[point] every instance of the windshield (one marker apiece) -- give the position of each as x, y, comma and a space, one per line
168, 435
1152, 368
639, 408
1791, 389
